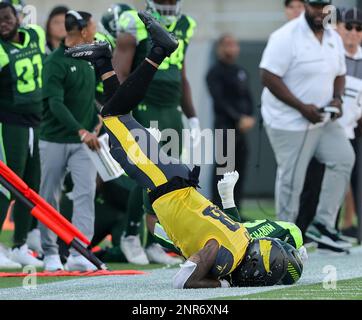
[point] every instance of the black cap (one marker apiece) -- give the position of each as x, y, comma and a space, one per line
353, 16
322, 2
340, 14
287, 2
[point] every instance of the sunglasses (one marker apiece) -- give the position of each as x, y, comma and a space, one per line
351, 26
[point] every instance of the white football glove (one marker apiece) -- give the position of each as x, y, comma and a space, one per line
226, 189
194, 125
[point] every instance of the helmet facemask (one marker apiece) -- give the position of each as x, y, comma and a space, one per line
168, 14
260, 268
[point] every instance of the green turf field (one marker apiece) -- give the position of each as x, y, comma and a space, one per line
156, 283
345, 290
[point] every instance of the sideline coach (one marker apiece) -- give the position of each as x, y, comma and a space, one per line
303, 69
70, 117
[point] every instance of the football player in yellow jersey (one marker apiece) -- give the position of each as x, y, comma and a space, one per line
214, 245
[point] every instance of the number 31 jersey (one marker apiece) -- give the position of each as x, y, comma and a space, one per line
21, 72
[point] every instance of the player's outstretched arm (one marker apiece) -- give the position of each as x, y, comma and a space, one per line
226, 192
195, 272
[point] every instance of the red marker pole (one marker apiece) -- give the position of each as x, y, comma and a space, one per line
42, 211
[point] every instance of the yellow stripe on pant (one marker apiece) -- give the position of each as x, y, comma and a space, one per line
134, 151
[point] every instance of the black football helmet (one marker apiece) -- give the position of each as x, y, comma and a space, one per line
265, 264
295, 264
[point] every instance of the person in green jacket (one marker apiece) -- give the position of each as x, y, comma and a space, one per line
70, 125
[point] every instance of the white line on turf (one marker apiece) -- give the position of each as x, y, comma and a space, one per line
157, 284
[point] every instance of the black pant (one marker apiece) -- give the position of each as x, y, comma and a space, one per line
309, 198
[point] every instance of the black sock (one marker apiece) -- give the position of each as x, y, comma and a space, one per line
130, 93
110, 87
157, 55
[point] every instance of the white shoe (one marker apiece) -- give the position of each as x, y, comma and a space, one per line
23, 256
79, 263
6, 263
226, 188
156, 254
34, 241
133, 251
52, 263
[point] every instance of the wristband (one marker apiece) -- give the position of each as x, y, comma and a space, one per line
83, 136
224, 284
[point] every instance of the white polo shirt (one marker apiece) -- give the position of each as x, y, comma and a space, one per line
307, 67
352, 106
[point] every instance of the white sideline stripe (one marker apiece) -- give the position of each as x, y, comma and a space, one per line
143, 287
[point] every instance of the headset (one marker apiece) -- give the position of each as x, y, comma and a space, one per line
81, 22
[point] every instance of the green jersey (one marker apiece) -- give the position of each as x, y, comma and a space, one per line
21, 72
166, 88
285, 231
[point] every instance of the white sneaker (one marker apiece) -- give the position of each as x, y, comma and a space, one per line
79, 263
133, 251
52, 263
34, 241
6, 263
23, 256
156, 254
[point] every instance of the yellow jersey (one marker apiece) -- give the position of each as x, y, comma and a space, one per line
190, 220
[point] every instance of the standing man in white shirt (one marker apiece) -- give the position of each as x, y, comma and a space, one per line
303, 69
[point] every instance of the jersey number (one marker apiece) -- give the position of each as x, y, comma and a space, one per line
217, 214
25, 70
177, 58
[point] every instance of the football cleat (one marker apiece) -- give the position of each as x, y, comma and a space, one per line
159, 35
156, 254
133, 250
90, 52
